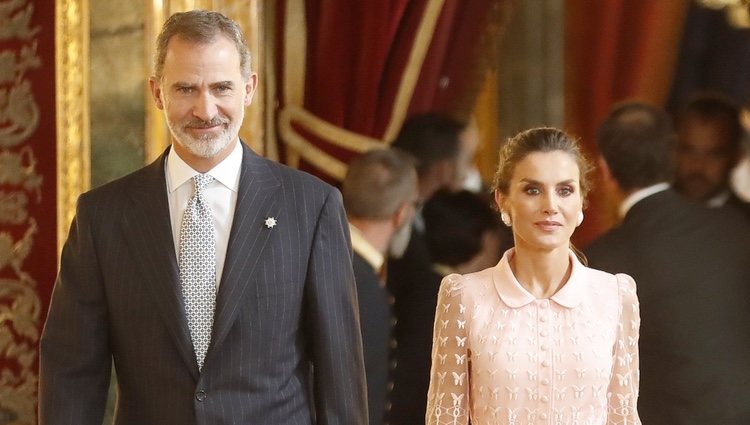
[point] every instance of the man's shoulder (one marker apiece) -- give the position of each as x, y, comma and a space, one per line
290, 178
117, 188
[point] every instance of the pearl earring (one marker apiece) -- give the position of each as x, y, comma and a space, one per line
580, 219
505, 218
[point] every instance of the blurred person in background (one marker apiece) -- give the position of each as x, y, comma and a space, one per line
691, 265
380, 193
709, 146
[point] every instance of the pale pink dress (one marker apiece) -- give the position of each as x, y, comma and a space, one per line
501, 356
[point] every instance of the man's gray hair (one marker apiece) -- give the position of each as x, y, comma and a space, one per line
201, 26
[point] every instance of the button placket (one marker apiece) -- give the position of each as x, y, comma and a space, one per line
544, 334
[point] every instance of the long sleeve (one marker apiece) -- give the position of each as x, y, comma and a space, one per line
448, 396
623, 388
332, 326
74, 355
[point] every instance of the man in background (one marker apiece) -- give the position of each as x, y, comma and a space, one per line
691, 267
380, 192
443, 159
709, 146
219, 283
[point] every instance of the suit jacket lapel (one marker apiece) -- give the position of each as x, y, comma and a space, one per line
150, 227
247, 239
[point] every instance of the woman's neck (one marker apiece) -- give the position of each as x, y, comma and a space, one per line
542, 273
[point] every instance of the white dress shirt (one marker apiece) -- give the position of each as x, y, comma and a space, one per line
221, 195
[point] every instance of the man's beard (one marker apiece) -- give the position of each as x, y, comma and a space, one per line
697, 187
207, 146
400, 241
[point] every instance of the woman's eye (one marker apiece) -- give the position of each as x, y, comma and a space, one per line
532, 191
566, 191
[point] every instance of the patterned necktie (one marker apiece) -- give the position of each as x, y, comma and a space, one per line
198, 267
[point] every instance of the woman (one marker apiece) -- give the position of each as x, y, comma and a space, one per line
539, 338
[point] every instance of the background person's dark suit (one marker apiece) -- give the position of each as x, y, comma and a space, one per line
286, 301
375, 319
414, 285
692, 267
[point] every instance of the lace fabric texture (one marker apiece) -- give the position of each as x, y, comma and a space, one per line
500, 356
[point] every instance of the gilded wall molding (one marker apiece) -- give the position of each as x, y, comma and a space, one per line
72, 96
20, 305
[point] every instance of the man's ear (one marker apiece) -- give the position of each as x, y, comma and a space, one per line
601, 163
401, 215
156, 92
250, 86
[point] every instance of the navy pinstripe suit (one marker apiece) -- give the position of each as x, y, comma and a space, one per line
286, 345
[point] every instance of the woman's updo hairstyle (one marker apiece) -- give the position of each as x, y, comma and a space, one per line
541, 139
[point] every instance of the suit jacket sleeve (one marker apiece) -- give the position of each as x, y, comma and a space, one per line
74, 356
332, 322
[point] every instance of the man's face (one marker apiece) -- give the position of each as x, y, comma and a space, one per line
203, 96
464, 161
704, 158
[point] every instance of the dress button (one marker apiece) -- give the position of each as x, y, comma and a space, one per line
544, 333
545, 399
545, 363
544, 304
200, 395
393, 343
542, 318
545, 381
544, 347
543, 416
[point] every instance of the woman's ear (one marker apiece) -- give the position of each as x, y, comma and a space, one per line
500, 200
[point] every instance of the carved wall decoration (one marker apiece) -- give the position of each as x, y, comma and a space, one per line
20, 188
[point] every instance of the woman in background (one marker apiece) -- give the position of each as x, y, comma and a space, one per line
540, 337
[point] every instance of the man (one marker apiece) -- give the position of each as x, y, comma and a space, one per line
218, 282
443, 158
463, 232
691, 266
709, 147
379, 191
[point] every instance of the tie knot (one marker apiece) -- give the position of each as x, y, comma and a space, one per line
201, 181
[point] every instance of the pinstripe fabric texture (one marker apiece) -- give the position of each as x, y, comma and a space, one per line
286, 345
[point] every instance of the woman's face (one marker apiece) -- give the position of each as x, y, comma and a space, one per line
543, 200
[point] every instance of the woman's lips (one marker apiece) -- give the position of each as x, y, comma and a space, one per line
548, 225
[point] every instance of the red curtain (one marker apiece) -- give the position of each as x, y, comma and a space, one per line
615, 50
462, 50
359, 52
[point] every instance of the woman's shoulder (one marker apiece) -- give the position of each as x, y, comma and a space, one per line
621, 285
459, 284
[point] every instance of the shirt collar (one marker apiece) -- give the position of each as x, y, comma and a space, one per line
641, 194
227, 172
365, 249
515, 296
